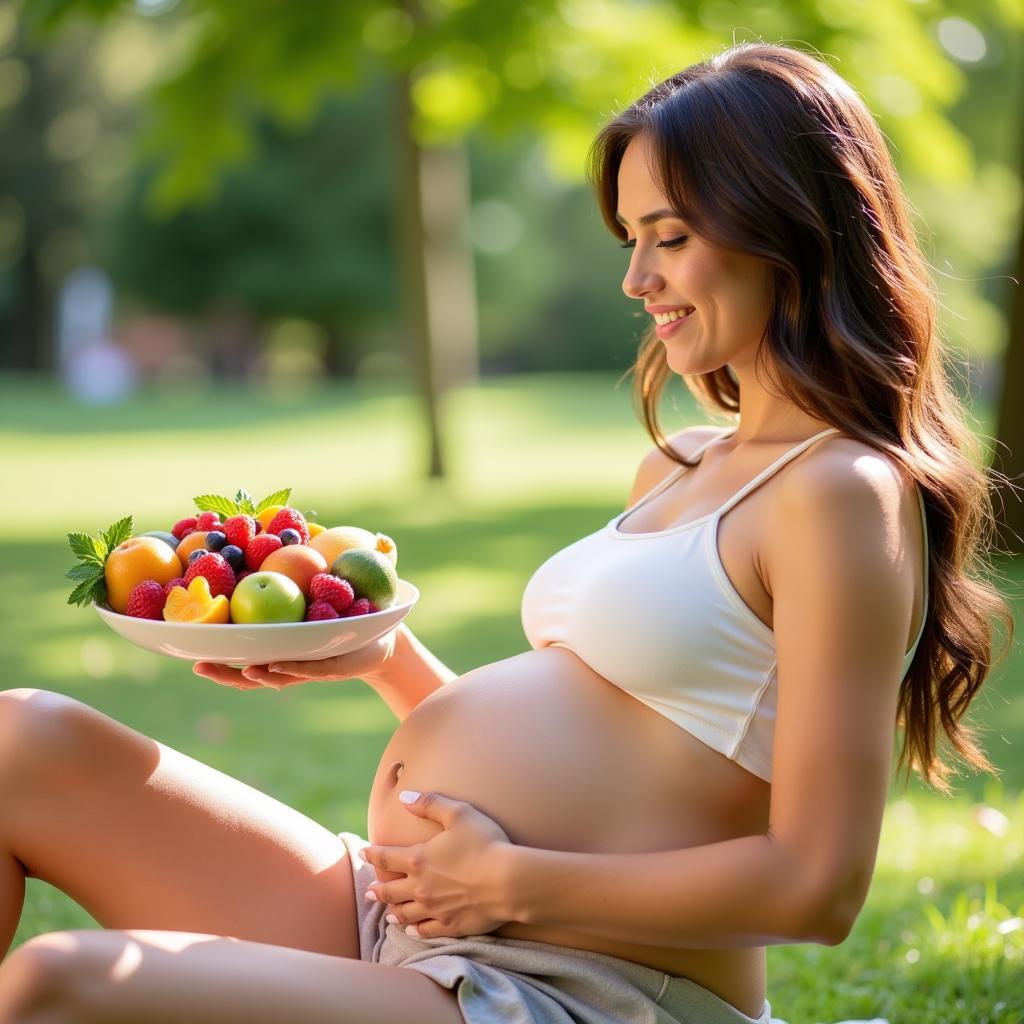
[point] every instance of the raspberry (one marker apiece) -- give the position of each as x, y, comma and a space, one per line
259, 548
319, 610
147, 601
178, 581
361, 606
215, 569
239, 576
183, 527
208, 521
240, 530
338, 593
289, 518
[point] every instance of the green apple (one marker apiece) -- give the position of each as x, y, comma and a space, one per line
267, 597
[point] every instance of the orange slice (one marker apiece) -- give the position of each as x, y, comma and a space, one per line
196, 604
314, 529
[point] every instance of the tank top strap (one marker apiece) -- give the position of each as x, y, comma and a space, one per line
773, 468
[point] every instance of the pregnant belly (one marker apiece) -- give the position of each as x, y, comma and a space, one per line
564, 760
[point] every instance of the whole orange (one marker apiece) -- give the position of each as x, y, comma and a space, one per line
133, 561
191, 543
298, 562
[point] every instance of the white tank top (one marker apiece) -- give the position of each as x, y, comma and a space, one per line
684, 642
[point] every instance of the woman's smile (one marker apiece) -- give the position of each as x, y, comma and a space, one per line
667, 330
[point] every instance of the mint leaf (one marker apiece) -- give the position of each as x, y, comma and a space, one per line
245, 502
84, 571
277, 498
91, 553
224, 507
118, 533
89, 591
87, 548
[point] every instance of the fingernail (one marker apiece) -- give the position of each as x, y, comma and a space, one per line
391, 919
413, 931
362, 856
408, 796
370, 895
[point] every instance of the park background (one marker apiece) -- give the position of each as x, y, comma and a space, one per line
348, 249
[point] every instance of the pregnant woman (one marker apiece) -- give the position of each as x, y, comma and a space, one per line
691, 761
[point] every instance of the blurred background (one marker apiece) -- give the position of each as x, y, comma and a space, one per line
347, 248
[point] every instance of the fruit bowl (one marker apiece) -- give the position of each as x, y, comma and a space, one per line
235, 644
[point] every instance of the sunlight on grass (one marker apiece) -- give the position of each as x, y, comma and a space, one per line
338, 716
458, 593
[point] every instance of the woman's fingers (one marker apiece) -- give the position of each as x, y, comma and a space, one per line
252, 677
224, 674
261, 674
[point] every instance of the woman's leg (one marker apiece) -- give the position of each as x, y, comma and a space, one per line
145, 837
107, 977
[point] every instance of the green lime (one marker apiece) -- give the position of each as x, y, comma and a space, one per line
371, 574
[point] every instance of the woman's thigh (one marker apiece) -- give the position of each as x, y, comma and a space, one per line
143, 836
117, 977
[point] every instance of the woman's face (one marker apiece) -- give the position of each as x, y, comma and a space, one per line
670, 268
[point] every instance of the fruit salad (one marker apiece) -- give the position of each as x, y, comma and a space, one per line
237, 561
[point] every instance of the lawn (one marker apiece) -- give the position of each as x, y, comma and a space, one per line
534, 463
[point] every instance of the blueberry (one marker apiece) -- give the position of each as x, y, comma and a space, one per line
198, 553
215, 540
290, 536
234, 556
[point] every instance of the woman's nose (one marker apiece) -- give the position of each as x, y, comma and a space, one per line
639, 279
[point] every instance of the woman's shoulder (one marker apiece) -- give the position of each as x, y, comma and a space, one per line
656, 465
847, 486
840, 460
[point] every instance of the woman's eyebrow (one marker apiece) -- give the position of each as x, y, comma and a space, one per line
649, 218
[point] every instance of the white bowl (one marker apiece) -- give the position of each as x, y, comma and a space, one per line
237, 644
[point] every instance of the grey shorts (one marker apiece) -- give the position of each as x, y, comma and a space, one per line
522, 982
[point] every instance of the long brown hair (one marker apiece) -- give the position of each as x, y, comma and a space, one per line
766, 150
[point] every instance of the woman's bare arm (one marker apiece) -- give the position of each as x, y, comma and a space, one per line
411, 674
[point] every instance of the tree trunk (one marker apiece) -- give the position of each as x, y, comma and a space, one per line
1009, 453
412, 235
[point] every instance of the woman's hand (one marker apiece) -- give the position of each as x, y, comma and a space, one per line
366, 663
453, 883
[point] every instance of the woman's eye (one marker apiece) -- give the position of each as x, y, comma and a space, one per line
670, 243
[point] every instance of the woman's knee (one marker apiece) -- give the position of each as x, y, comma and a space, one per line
42, 980
38, 727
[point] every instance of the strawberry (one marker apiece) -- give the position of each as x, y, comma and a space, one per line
289, 518
240, 530
217, 572
146, 601
259, 548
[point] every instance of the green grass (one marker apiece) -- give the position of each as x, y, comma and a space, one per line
535, 463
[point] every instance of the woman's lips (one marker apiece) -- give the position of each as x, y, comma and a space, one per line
666, 330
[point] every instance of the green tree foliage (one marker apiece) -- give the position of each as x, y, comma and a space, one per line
554, 68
